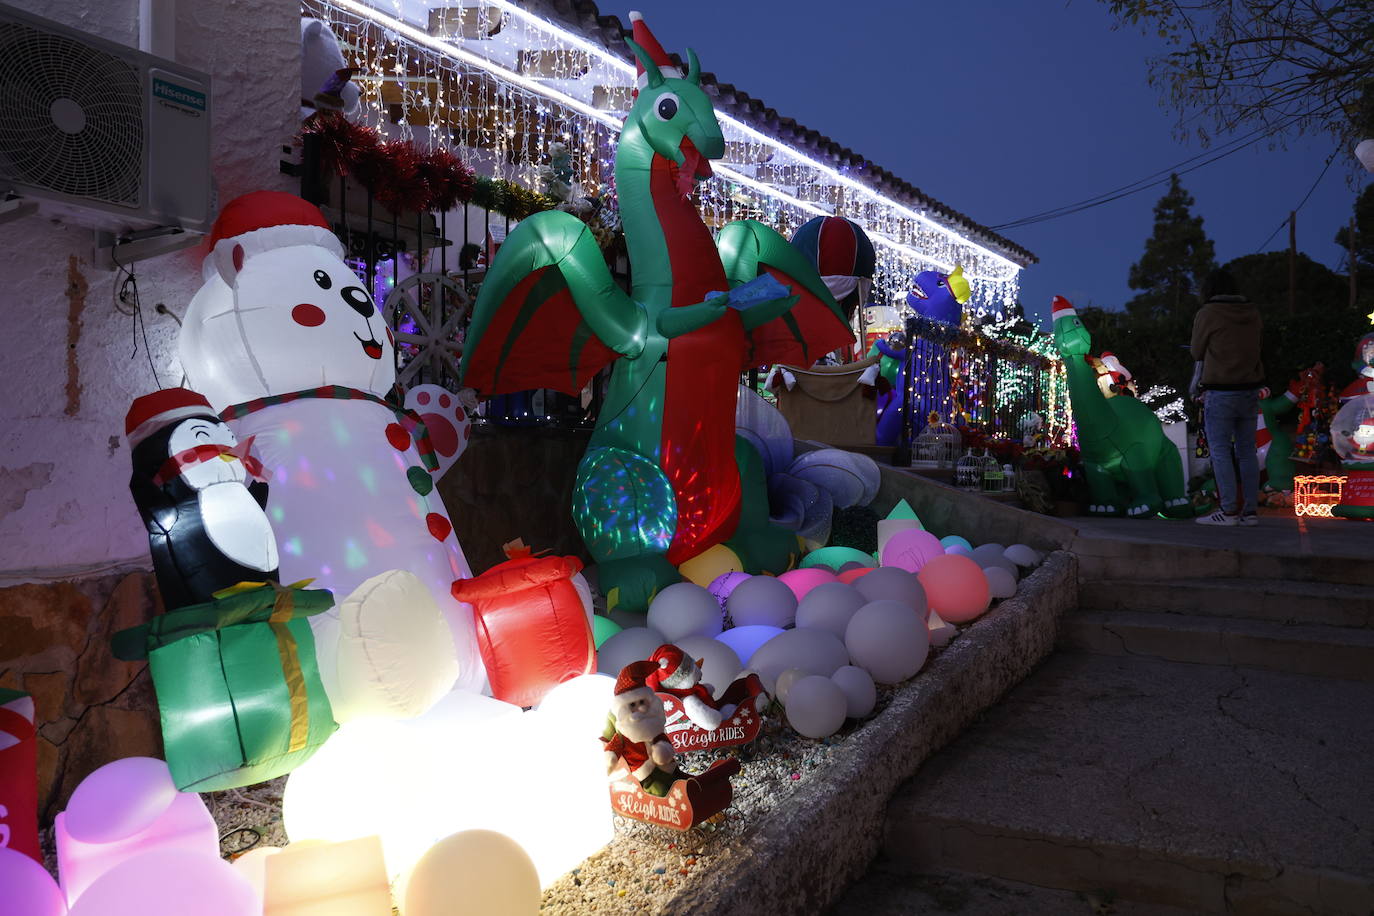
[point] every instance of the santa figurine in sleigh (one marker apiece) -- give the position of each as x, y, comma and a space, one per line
646, 783
697, 721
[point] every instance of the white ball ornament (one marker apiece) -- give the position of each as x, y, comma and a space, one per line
762, 601
720, 664
959, 549
993, 555
684, 610
860, 694
786, 680
629, 645
814, 651
816, 707
1021, 555
475, 871
1001, 583
829, 607
889, 640
888, 583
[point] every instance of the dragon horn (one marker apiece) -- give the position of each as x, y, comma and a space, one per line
651, 70
693, 68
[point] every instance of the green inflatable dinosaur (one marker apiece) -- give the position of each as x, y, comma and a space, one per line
1132, 467
663, 479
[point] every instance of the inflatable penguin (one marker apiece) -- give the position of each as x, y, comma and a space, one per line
201, 496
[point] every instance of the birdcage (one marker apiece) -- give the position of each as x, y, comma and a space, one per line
992, 478
937, 446
968, 473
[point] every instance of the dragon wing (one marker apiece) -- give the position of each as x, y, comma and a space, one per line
549, 314
813, 327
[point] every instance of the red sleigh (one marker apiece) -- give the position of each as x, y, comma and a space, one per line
742, 727
689, 801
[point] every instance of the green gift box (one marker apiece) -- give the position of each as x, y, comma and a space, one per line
237, 684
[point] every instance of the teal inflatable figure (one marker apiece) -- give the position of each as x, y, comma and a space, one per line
1132, 467
660, 482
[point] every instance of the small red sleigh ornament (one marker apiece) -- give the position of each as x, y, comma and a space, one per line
689, 801
742, 727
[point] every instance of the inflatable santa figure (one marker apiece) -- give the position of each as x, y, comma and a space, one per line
636, 733
678, 674
285, 342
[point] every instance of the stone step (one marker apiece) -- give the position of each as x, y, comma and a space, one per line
1258, 599
1203, 787
1323, 651
889, 891
1100, 559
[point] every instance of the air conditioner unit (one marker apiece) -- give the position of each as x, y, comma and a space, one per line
102, 135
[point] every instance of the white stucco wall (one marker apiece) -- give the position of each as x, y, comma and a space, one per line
65, 368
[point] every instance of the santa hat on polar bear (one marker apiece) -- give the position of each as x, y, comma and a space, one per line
262, 221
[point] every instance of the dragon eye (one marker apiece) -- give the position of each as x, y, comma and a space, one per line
667, 106
322, 280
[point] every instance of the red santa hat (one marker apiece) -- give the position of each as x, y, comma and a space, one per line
673, 667
634, 676
155, 411
639, 31
1119, 372
262, 221
1061, 308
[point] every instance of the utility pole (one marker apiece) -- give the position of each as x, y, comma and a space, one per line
1350, 239
1292, 261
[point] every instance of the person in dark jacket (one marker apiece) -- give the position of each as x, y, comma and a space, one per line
1226, 342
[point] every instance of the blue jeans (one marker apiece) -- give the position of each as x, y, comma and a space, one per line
1230, 418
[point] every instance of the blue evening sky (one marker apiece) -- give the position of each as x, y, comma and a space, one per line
1001, 109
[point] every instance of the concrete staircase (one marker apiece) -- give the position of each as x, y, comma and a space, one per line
1202, 742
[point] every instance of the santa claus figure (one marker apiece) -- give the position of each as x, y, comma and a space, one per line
634, 731
678, 674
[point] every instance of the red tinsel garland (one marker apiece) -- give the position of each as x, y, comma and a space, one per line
342, 143
401, 187
449, 178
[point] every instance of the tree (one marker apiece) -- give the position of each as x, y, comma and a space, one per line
1273, 66
1177, 256
1364, 237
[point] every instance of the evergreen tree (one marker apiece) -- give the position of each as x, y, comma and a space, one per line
1364, 236
1177, 256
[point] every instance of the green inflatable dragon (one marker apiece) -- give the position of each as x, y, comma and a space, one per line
663, 479
1132, 467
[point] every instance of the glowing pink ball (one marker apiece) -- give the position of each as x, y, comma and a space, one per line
911, 550
955, 587
802, 581
28, 888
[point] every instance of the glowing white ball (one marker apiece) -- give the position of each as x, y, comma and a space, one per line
745, 641
860, 694
786, 680
814, 651
683, 610
815, 707
1001, 583
476, 871
941, 632
720, 665
580, 703
993, 555
889, 640
169, 882
829, 607
631, 644
888, 583
1021, 555
1364, 151
762, 601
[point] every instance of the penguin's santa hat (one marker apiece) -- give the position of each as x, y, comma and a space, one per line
263, 221
161, 409
1061, 308
639, 31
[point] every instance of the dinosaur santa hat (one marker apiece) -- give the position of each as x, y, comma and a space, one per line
1061, 308
639, 31
262, 221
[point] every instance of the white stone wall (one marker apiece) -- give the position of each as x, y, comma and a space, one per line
66, 370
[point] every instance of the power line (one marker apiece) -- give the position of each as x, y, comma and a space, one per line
1145, 183
1329, 159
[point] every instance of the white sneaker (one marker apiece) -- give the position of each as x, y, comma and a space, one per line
1249, 518
1218, 518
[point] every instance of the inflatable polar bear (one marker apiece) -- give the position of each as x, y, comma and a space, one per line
285, 342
